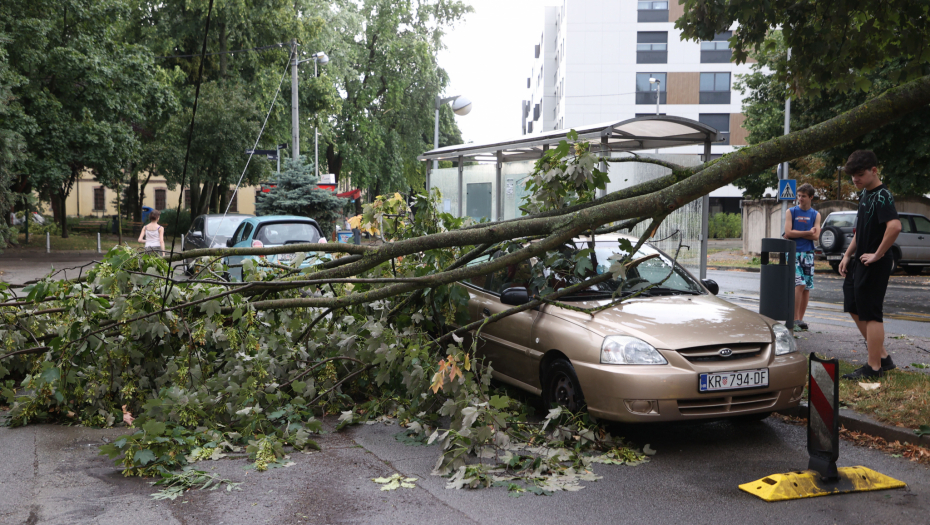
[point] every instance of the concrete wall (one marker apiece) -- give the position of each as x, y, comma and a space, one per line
825, 208
761, 218
919, 205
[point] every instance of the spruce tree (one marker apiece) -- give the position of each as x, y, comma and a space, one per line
296, 193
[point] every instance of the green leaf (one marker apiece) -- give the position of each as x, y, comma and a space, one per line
299, 386
924, 430
499, 402
144, 457
154, 428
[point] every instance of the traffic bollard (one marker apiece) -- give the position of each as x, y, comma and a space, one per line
48, 243
98, 243
823, 421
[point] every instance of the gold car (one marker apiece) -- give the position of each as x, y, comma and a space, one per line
676, 352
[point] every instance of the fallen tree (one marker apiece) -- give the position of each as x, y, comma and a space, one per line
207, 366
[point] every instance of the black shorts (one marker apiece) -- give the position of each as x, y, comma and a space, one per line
864, 288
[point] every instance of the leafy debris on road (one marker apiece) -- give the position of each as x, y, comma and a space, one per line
395, 481
176, 483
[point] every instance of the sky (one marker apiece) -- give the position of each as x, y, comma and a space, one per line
488, 58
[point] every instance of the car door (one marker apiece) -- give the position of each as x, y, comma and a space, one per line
510, 338
922, 229
907, 240
240, 239
191, 240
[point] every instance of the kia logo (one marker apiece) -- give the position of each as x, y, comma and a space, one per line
725, 352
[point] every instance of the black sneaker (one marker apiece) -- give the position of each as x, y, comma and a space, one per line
887, 364
801, 324
864, 372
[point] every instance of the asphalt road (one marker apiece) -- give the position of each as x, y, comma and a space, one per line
54, 475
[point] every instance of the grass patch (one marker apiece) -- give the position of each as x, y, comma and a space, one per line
902, 400
80, 241
755, 262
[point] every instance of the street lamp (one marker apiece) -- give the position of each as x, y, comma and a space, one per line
460, 106
321, 58
658, 83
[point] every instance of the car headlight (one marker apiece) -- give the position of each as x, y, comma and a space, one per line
625, 350
784, 340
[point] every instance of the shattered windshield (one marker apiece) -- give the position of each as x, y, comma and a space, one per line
658, 271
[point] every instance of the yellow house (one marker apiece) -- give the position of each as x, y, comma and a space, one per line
89, 198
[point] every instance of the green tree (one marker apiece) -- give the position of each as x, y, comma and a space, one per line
296, 193
902, 147
834, 44
384, 62
85, 87
228, 120
12, 145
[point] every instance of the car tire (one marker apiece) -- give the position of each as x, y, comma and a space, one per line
831, 239
894, 261
561, 386
748, 419
913, 270
836, 267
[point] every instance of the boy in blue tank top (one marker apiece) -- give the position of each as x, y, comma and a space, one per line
802, 224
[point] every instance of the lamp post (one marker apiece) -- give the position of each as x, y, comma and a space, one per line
321, 58
658, 84
460, 106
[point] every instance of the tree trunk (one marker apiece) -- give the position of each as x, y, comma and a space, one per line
333, 162
134, 202
64, 216
214, 200
195, 197
142, 186
204, 202
224, 197
223, 43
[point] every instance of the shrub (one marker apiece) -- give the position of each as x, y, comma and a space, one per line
726, 226
168, 217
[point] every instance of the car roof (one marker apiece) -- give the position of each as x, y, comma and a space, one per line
281, 218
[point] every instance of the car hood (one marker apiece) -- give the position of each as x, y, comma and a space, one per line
673, 322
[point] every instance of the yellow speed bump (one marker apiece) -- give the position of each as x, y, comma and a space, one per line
807, 484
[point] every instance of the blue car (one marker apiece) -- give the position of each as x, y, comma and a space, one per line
272, 230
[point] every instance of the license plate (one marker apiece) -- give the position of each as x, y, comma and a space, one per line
714, 381
834, 257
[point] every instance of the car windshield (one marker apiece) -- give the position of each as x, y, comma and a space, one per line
660, 272
287, 232
845, 220
223, 226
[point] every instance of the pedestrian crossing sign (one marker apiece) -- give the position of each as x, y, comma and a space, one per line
787, 189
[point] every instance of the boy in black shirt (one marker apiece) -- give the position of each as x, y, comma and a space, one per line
868, 260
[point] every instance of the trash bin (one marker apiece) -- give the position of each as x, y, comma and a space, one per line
776, 282
145, 214
113, 224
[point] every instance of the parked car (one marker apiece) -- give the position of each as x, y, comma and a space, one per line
676, 352
910, 251
211, 230
272, 230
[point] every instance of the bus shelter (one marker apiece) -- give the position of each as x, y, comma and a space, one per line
488, 179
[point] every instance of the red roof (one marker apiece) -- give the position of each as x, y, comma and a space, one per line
353, 194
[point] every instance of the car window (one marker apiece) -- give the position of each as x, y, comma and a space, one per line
237, 236
905, 225
921, 224
223, 226
841, 220
247, 231
285, 232
481, 281
198, 225
514, 275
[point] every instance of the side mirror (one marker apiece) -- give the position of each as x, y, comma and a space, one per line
196, 235
230, 243
711, 286
515, 296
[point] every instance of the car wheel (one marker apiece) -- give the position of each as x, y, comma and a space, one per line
894, 262
750, 418
836, 267
561, 386
913, 270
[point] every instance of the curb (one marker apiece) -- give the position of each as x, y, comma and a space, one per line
862, 423
734, 268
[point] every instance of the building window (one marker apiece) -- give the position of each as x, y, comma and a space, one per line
161, 200
717, 51
529, 127
233, 199
100, 203
536, 112
652, 47
715, 88
652, 12
646, 92
718, 121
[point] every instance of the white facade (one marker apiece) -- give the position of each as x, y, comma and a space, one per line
592, 50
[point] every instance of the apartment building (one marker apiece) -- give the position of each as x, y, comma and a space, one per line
595, 59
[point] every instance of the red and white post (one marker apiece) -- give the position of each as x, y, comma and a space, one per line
823, 425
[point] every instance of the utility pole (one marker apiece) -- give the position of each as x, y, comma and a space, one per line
784, 169
295, 121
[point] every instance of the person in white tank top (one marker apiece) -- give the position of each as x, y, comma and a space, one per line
153, 234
